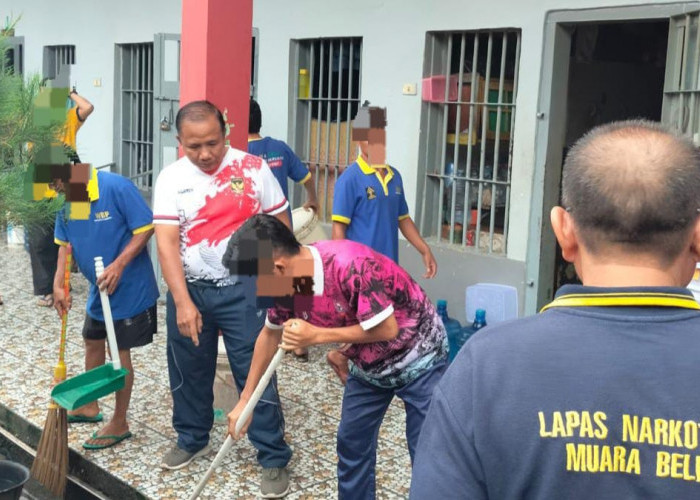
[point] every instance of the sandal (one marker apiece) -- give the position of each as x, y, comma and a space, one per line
45, 301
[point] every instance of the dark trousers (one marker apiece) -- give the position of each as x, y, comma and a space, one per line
364, 406
43, 254
192, 370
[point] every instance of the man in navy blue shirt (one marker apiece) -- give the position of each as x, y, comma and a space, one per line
596, 397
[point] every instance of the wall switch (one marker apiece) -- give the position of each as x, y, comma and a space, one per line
409, 89
97, 82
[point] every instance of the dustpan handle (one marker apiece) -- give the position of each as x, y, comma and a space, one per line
107, 313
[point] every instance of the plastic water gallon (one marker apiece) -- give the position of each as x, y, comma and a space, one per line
225, 392
694, 285
499, 301
454, 329
306, 227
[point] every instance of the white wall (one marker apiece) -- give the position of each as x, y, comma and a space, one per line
94, 28
393, 42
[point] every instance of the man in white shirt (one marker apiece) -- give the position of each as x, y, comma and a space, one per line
200, 201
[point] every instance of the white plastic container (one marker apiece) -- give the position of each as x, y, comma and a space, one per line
694, 285
499, 301
225, 392
15, 235
306, 227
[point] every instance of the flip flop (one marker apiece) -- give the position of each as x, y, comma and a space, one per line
115, 440
45, 301
77, 419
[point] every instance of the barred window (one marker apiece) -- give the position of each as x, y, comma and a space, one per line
326, 74
134, 116
469, 86
57, 58
14, 56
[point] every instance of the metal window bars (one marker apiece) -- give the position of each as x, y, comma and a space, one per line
681, 89
136, 108
327, 75
468, 111
56, 57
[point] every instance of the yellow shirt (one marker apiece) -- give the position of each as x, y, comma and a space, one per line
70, 129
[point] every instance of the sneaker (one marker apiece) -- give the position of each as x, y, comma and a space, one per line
274, 482
177, 458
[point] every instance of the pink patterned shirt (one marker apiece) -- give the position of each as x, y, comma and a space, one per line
360, 286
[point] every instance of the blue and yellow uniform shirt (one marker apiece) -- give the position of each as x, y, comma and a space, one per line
117, 212
282, 161
371, 206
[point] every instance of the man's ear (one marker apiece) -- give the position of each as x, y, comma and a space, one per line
695, 240
563, 227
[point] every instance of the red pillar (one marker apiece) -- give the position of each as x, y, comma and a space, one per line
215, 59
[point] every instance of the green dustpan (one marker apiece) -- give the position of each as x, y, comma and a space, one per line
89, 386
106, 379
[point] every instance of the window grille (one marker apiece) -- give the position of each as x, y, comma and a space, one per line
56, 59
467, 115
134, 113
681, 108
326, 96
14, 56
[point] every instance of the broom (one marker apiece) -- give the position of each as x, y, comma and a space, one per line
50, 467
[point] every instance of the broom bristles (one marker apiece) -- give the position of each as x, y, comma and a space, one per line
50, 467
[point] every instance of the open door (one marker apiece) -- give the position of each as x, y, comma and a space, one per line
681, 101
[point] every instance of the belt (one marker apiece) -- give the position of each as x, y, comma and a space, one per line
624, 299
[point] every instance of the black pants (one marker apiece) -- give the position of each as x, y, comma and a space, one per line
43, 253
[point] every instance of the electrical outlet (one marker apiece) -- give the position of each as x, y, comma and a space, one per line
97, 82
409, 89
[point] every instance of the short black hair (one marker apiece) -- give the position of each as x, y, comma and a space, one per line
197, 111
633, 183
260, 237
254, 117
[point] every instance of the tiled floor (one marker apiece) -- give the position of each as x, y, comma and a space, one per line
311, 399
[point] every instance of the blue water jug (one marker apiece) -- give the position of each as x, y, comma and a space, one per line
454, 329
479, 323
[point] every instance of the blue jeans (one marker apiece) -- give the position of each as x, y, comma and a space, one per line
363, 410
192, 370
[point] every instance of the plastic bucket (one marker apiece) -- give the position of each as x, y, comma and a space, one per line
12, 479
225, 392
306, 227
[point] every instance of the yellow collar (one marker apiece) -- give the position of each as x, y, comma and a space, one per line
92, 187
255, 139
624, 299
369, 170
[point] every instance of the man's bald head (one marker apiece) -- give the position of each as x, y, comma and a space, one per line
634, 184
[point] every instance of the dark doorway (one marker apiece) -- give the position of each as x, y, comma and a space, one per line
616, 72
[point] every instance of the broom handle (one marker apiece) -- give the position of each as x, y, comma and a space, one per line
109, 322
247, 410
59, 371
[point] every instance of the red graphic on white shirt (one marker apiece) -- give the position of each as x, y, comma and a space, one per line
230, 207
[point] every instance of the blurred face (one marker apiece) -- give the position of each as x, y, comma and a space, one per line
374, 149
203, 142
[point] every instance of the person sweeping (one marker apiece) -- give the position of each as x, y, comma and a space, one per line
50, 466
